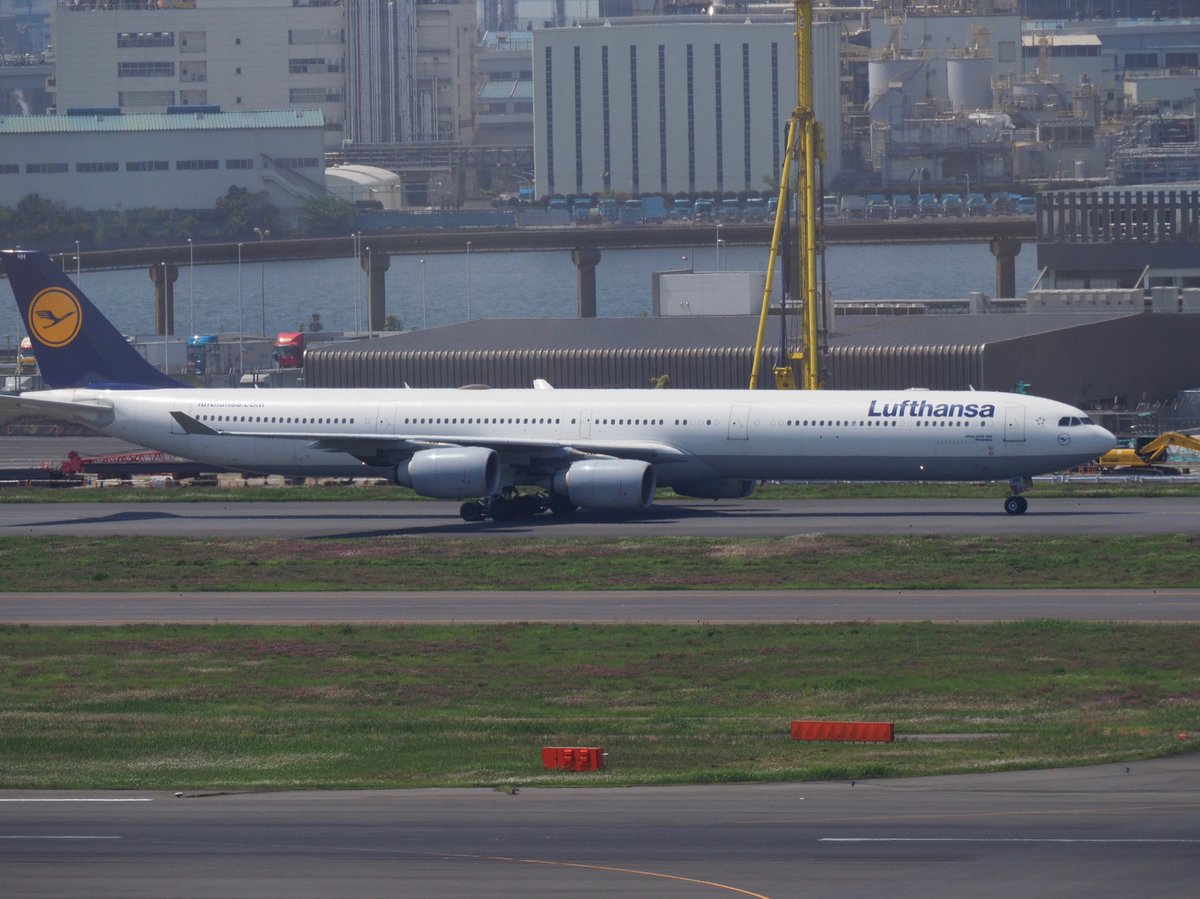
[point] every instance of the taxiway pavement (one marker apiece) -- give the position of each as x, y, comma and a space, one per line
727, 518
1098, 832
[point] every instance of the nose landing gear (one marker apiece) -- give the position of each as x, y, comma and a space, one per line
1015, 504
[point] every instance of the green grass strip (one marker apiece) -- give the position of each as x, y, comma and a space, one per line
227, 707
423, 563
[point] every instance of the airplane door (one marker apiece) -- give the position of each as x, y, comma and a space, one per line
385, 420
739, 422
1014, 424
585, 423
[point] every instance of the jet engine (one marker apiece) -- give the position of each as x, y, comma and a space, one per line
607, 484
452, 472
729, 488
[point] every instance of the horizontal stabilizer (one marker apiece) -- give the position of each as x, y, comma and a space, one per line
96, 412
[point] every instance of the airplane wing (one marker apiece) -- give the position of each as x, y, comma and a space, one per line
552, 454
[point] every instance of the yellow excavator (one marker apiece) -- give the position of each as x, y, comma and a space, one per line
1147, 455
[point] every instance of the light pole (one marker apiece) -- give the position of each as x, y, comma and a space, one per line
77, 263
263, 234
191, 289
166, 287
355, 240
718, 246
468, 280
367, 304
423, 324
241, 328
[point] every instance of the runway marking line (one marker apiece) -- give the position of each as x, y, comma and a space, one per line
52, 837
1001, 840
675, 877
610, 868
1025, 813
76, 800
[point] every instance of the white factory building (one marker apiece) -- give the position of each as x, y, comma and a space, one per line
674, 104
101, 159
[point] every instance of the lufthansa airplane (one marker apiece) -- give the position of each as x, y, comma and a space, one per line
597, 449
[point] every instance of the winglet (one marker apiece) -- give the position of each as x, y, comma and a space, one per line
193, 427
75, 346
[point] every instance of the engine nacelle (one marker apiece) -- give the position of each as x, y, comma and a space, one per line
452, 472
729, 488
608, 484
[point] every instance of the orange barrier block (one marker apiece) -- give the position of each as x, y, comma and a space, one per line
573, 758
845, 731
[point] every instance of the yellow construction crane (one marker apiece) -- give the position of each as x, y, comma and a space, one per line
801, 350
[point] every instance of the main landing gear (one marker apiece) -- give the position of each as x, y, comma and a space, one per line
511, 505
1017, 504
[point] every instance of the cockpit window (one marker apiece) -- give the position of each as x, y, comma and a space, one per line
1070, 421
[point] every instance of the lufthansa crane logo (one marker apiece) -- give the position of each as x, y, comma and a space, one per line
55, 317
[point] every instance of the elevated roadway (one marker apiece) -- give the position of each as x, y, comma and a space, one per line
838, 231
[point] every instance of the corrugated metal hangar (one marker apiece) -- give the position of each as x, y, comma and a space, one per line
1087, 359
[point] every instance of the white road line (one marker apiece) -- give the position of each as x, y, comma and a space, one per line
37, 837
995, 840
76, 800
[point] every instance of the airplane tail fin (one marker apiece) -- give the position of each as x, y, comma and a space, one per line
75, 346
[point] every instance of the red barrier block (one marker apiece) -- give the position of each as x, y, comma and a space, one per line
573, 758
845, 731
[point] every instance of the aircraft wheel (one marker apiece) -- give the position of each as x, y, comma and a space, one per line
560, 505
472, 510
1016, 505
527, 505
503, 509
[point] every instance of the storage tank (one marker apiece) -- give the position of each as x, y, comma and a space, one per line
908, 71
969, 82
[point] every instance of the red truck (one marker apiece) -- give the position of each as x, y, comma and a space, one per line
289, 349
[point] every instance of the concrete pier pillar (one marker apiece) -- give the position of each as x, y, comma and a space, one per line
376, 263
1005, 249
163, 276
586, 259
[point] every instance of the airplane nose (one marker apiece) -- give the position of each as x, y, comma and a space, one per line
1104, 440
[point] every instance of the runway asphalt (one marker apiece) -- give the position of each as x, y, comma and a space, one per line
621, 606
727, 518
1099, 832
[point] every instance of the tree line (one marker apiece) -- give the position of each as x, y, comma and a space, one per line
53, 226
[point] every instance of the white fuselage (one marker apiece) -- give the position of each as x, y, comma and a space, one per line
785, 435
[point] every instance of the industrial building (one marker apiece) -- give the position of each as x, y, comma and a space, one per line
271, 54
378, 71
186, 158
673, 104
